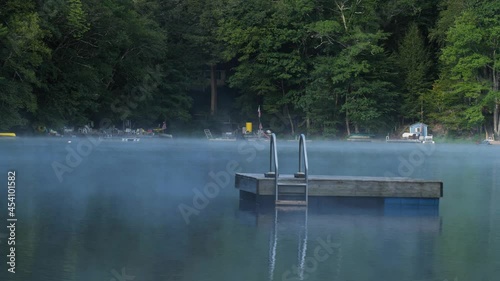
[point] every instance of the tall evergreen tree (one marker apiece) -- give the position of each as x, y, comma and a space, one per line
413, 59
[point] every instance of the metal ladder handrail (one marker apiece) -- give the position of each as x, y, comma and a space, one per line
273, 155
303, 151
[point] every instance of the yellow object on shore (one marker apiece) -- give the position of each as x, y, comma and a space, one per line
249, 127
7, 134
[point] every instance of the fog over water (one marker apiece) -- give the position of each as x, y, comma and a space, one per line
112, 210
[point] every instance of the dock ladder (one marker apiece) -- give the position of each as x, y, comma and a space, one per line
290, 190
288, 212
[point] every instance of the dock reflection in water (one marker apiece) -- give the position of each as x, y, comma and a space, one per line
327, 235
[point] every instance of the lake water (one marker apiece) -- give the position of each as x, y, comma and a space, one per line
159, 210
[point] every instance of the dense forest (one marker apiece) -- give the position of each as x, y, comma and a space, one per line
326, 68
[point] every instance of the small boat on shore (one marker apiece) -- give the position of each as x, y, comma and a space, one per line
491, 141
165, 136
360, 137
7, 135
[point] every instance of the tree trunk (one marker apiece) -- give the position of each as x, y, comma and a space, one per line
341, 7
213, 89
347, 123
286, 108
496, 121
290, 120
496, 126
356, 128
347, 114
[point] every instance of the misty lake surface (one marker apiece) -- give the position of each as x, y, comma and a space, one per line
159, 210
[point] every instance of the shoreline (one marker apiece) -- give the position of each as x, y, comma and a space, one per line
310, 139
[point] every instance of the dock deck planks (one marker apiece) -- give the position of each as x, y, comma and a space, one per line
321, 185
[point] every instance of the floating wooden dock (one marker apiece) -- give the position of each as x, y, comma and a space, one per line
297, 188
409, 140
403, 140
395, 188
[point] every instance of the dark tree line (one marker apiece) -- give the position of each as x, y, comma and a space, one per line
324, 67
